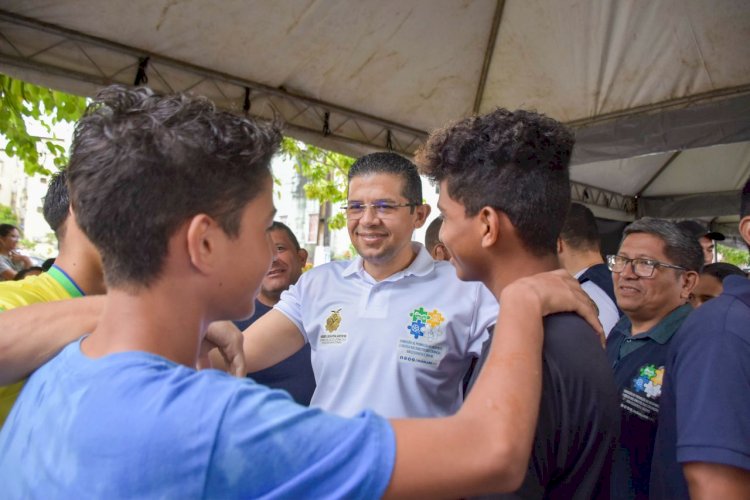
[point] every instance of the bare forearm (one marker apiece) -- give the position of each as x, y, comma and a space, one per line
33, 334
709, 481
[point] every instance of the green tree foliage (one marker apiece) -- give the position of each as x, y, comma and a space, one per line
7, 216
326, 174
21, 101
736, 256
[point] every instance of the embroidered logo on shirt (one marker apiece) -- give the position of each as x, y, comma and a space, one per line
333, 321
425, 322
428, 347
649, 381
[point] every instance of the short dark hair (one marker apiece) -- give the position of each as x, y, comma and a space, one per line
721, 270
432, 235
391, 163
142, 164
515, 162
580, 230
5, 229
280, 226
680, 247
57, 203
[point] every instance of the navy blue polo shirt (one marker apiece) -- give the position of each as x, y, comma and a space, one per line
294, 374
639, 363
706, 402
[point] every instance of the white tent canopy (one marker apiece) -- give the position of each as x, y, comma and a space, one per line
658, 92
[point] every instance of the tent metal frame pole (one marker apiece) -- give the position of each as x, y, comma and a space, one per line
401, 134
488, 52
591, 195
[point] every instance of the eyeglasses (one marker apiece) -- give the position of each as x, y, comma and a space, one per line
383, 210
643, 268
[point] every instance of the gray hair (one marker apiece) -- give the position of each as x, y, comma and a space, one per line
680, 247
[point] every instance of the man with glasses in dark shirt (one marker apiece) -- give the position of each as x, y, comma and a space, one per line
654, 272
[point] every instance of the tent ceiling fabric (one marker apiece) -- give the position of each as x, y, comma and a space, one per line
637, 80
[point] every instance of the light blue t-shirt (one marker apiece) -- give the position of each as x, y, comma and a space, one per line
135, 425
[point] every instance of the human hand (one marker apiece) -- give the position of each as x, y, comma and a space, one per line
18, 257
228, 339
555, 292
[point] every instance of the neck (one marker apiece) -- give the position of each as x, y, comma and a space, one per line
145, 320
382, 270
518, 264
84, 269
577, 262
268, 299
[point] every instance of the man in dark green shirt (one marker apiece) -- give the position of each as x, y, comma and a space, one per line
654, 272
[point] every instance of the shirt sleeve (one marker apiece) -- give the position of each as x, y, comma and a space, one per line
290, 304
485, 317
711, 385
608, 314
268, 446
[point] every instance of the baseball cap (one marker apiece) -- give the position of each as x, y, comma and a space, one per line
698, 230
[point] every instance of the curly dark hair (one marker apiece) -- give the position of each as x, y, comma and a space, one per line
141, 164
512, 161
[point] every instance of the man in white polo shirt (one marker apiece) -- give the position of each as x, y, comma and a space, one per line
392, 330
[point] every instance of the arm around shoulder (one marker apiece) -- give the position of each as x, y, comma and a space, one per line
33, 334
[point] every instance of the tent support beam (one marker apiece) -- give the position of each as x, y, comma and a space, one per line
377, 127
488, 51
591, 195
658, 173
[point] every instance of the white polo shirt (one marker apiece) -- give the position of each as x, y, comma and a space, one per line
400, 346
608, 313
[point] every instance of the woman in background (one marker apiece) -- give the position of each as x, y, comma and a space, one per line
11, 261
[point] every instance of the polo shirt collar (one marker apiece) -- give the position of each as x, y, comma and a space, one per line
662, 331
422, 265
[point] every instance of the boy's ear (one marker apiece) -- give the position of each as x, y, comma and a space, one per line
201, 235
490, 223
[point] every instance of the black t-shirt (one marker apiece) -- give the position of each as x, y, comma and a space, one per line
579, 417
294, 374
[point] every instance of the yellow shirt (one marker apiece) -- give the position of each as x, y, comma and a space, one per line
47, 287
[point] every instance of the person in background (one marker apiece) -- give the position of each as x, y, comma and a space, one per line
10, 260
294, 374
77, 272
710, 285
655, 270
30, 271
432, 241
579, 251
703, 447
705, 237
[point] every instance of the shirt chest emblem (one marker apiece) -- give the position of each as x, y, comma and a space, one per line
424, 323
333, 321
648, 381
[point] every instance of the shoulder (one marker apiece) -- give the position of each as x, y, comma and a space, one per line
570, 334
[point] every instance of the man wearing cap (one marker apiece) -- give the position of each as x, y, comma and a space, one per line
704, 236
